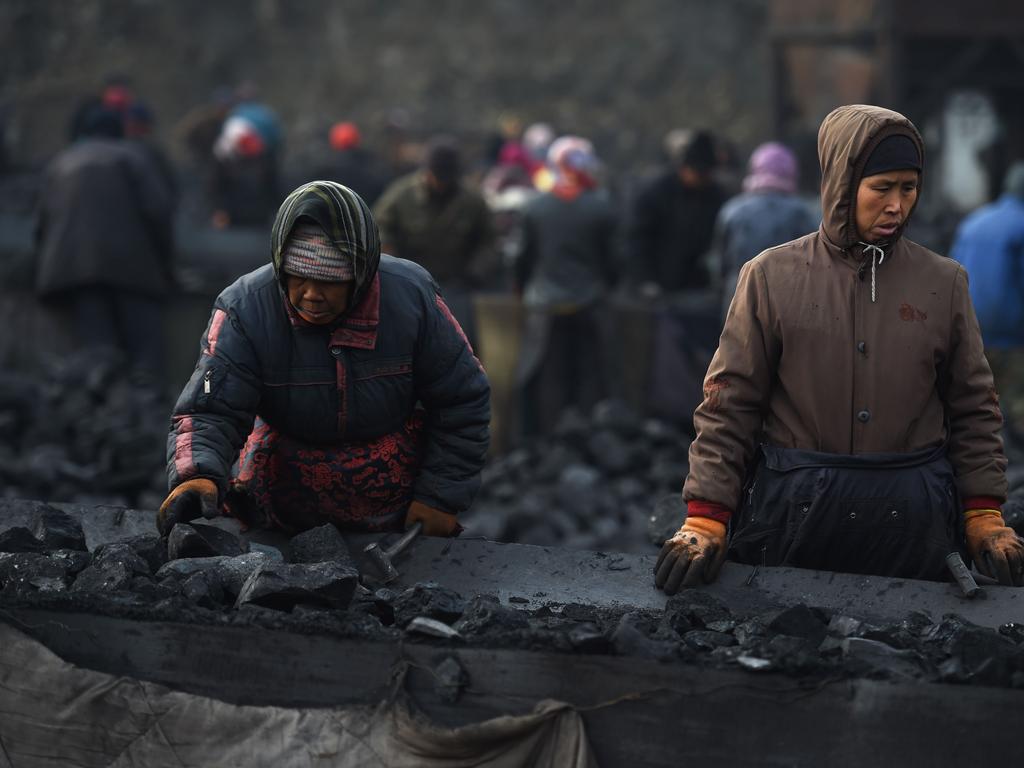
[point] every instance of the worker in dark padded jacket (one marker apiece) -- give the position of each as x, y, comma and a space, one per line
333, 385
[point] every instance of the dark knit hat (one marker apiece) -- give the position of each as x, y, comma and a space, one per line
443, 159
894, 153
698, 152
308, 252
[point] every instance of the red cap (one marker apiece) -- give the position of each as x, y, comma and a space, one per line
344, 136
116, 97
250, 144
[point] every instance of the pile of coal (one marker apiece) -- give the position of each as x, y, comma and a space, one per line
46, 564
86, 429
608, 481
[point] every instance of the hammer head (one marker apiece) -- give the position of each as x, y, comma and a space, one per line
380, 559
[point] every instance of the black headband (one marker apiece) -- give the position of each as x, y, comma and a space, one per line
894, 153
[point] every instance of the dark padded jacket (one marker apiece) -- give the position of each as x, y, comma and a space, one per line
357, 379
104, 220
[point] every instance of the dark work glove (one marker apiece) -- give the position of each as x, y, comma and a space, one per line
995, 547
187, 502
693, 555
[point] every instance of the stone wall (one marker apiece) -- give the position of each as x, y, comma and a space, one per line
621, 72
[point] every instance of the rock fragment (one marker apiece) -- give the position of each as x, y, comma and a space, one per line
25, 573
323, 544
430, 600
197, 540
112, 576
121, 552
486, 616
233, 571
205, 588
282, 586
800, 621
20, 539
883, 659
426, 626
57, 529
151, 548
629, 640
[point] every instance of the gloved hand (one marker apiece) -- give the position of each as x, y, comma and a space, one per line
695, 552
187, 502
995, 548
435, 522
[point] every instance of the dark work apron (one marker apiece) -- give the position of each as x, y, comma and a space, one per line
888, 514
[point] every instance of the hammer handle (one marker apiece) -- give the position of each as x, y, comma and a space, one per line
406, 539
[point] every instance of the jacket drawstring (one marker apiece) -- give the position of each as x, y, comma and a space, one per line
877, 252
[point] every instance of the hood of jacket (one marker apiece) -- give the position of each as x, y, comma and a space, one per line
846, 139
346, 219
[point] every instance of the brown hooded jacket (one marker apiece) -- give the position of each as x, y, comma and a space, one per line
809, 359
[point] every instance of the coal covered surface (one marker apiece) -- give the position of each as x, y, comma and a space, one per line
610, 480
86, 428
129, 579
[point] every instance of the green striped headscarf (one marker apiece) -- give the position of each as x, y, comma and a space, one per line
342, 215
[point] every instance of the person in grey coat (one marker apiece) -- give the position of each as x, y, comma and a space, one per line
565, 268
104, 240
768, 213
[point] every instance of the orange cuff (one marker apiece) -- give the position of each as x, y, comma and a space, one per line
706, 525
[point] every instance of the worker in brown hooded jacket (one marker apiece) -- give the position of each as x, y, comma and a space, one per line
849, 420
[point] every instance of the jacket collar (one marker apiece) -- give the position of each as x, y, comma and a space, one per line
357, 328
856, 255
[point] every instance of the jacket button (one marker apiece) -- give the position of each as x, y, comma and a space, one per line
862, 347
864, 416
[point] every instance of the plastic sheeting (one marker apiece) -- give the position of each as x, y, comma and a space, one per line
56, 714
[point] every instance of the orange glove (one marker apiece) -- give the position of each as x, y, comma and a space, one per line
995, 548
187, 502
696, 552
435, 522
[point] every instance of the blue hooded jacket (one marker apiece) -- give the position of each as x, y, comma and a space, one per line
990, 245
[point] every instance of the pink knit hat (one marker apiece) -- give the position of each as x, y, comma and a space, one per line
772, 166
308, 252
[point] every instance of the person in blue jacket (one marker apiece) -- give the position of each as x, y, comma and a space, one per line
333, 385
990, 245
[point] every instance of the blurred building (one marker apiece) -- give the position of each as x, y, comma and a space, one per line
956, 69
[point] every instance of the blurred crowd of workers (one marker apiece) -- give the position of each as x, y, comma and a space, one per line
538, 216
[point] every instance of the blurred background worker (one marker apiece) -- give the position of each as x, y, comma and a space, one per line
104, 240
432, 218
768, 213
990, 245
351, 164
566, 268
244, 186
673, 218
